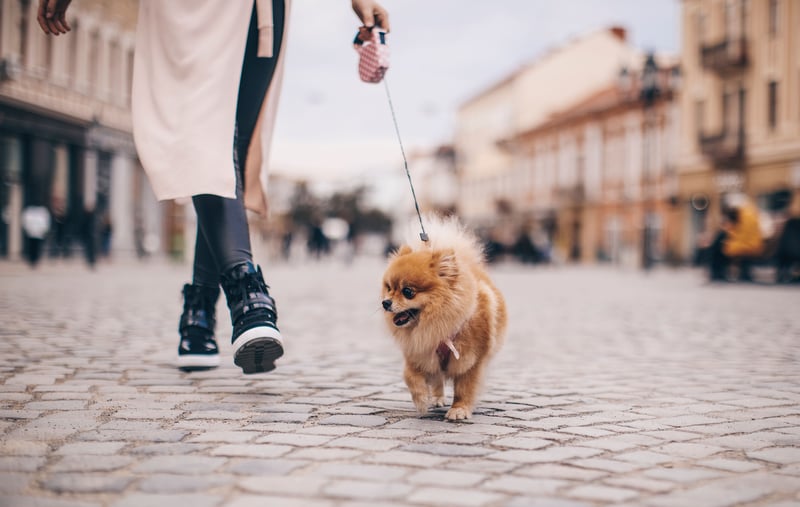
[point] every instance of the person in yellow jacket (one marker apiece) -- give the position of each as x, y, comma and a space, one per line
740, 239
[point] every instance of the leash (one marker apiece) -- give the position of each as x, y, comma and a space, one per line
422, 235
372, 66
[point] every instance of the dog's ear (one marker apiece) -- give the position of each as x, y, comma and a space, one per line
444, 261
403, 250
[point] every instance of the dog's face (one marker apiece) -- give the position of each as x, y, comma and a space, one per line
416, 287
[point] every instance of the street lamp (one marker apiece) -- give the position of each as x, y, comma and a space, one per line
649, 93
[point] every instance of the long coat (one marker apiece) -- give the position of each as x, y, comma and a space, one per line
186, 73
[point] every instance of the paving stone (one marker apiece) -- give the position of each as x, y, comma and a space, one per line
521, 443
264, 467
251, 450
782, 455
515, 485
96, 463
367, 490
225, 436
179, 464
445, 478
682, 475
142, 499
172, 483
447, 449
377, 472
549, 455
23, 448
366, 444
14, 483
92, 448
21, 463
283, 501
296, 440
405, 458
730, 465
45, 501
453, 496
321, 454
85, 483
289, 486
603, 493
355, 420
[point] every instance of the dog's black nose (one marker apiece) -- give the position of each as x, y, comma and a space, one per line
387, 304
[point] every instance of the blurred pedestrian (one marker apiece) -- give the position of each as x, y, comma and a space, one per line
35, 224
206, 74
739, 239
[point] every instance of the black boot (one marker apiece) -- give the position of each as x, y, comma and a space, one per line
198, 349
256, 340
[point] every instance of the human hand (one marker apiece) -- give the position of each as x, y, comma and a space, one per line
52, 16
370, 13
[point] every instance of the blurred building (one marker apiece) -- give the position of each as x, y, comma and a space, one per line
521, 101
435, 180
596, 181
576, 149
65, 130
740, 107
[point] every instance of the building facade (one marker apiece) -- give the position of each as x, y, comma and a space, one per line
596, 182
577, 150
65, 132
741, 107
520, 101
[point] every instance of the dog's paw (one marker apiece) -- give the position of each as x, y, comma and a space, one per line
421, 403
438, 401
458, 413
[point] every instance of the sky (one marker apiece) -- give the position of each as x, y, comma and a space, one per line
332, 126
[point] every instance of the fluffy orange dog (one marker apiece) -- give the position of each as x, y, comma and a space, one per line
445, 313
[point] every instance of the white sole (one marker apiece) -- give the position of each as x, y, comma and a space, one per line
256, 350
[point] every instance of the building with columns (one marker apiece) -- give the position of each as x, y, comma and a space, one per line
65, 131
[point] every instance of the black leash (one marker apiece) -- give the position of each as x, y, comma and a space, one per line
422, 235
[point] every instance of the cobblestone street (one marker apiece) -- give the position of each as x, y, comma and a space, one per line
614, 388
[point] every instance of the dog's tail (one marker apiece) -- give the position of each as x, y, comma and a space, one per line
446, 233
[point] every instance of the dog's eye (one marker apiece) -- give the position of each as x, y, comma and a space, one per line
408, 293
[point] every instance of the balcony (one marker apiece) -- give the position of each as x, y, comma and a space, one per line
726, 57
725, 150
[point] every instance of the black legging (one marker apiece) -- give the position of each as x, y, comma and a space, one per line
223, 238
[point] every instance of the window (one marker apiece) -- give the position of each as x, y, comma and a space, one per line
115, 70
23, 30
699, 117
72, 70
94, 63
773, 105
774, 7
129, 76
726, 110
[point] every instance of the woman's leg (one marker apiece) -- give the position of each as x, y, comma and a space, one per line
223, 235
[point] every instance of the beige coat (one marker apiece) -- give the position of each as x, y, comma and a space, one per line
185, 84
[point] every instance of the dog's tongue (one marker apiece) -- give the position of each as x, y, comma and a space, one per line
401, 318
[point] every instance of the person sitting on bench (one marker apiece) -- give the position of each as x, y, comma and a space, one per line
739, 240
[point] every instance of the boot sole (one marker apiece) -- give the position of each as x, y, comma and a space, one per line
191, 362
256, 350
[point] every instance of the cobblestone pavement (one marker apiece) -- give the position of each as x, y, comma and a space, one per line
614, 388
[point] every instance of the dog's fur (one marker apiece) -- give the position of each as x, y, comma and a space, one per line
444, 287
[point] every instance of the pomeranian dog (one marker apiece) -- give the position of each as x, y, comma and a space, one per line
445, 313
